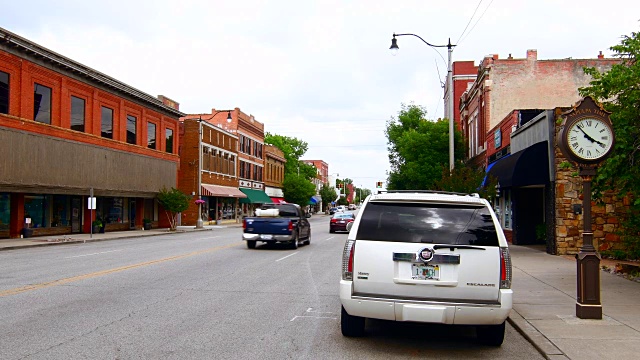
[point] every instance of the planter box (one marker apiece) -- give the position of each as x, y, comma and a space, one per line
147, 226
27, 232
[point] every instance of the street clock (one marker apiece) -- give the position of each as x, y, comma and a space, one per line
587, 137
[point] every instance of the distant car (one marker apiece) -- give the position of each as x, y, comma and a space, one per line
340, 220
352, 207
332, 210
341, 208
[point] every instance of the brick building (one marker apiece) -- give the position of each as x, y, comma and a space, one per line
274, 172
210, 160
510, 134
250, 133
66, 129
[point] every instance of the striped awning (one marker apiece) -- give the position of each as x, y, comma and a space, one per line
221, 191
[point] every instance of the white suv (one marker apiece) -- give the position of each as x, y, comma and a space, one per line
426, 256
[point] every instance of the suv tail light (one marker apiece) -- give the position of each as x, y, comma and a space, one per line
347, 259
505, 268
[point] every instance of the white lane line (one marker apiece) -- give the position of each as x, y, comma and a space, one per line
315, 317
210, 237
98, 253
329, 238
287, 256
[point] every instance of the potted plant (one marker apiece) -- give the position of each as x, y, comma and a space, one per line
97, 226
147, 224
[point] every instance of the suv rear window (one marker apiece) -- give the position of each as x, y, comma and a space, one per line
428, 223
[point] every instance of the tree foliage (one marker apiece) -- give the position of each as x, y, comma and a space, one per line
466, 179
619, 92
418, 149
328, 194
173, 201
293, 149
297, 189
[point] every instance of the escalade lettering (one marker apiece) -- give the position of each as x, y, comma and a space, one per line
477, 284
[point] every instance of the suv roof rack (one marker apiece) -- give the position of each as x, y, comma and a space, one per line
429, 192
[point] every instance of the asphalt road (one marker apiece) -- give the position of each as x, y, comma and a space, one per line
203, 295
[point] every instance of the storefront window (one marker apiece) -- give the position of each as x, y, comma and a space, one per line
35, 208
113, 210
4, 211
507, 209
60, 216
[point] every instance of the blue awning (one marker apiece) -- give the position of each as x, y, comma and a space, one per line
312, 201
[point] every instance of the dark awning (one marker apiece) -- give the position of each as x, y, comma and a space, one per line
255, 197
526, 167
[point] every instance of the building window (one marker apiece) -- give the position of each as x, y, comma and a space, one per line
4, 93
131, 129
35, 208
106, 123
5, 208
42, 104
77, 114
169, 140
151, 135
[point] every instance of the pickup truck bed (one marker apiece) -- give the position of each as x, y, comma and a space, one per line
288, 225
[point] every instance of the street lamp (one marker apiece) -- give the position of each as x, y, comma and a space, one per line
199, 222
449, 104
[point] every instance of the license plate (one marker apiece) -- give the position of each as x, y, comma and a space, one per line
425, 272
266, 237
341, 222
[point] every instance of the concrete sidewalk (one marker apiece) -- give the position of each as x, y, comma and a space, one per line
544, 309
9, 244
544, 300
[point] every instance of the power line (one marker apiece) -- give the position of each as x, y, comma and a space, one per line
465, 28
474, 25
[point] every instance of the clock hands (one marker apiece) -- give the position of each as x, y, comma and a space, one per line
589, 137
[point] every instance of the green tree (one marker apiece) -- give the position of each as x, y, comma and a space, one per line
293, 149
465, 179
173, 201
297, 189
619, 92
328, 194
418, 149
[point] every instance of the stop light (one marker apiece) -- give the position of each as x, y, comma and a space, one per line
379, 184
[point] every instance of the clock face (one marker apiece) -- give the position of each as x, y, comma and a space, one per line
589, 139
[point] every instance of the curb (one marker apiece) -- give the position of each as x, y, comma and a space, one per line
75, 241
544, 346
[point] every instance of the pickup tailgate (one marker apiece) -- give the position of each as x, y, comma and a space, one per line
273, 226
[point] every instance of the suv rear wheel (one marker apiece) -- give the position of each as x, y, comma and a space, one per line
351, 326
491, 335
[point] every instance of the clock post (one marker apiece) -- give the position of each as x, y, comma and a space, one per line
586, 140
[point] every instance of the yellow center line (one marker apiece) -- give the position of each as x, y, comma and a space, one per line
108, 271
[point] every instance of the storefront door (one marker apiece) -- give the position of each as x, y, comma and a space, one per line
76, 215
132, 214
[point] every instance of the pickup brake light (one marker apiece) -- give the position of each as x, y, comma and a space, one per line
290, 225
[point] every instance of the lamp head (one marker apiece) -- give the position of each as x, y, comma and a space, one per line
229, 117
394, 45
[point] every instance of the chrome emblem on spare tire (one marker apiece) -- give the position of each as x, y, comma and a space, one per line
425, 254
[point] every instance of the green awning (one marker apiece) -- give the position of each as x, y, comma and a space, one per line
255, 197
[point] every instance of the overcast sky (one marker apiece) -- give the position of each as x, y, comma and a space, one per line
320, 71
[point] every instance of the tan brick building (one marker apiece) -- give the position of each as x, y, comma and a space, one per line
65, 129
274, 172
209, 158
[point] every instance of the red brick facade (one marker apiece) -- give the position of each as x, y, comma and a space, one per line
79, 160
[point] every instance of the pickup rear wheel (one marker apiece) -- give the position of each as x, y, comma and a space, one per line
307, 241
294, 243
251, 244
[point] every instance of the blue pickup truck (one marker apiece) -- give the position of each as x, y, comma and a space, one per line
284, 223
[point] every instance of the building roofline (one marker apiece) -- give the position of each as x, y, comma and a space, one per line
64, 62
